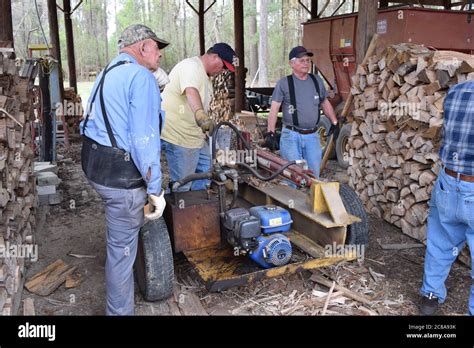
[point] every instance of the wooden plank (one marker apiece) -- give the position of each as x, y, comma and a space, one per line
401, 246
48, 280
190, 304
335, 204
73, 281
348, 293
28, 307
3, 298
174, 309
306, 244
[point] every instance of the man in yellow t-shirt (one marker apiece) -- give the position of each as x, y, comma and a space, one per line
186, 102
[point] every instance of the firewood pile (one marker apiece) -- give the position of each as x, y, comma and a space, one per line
74, 110
220, 107
396, 133
17, 190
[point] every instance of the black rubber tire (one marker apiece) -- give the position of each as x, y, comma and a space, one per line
357, 233
323, 129
342, 139
154, 269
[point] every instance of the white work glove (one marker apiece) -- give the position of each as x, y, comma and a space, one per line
157, 206
161, 78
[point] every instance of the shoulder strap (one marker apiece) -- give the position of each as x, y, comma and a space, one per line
318, 91
293, 110
100, 87
316, 85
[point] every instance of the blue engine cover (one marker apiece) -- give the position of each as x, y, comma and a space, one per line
273, 250
272, 218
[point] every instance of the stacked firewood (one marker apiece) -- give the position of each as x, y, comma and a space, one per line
17, 185
396, 133
74, 110
220, 107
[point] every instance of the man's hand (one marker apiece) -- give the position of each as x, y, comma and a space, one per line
334, 130
157, 206
204, 121
271, 141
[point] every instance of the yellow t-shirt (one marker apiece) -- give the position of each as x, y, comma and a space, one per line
180, 127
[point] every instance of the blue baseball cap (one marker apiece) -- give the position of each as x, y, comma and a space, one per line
299, 51
226, 53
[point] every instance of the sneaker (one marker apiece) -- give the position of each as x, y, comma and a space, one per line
429, 305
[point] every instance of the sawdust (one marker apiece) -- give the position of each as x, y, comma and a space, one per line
390, 278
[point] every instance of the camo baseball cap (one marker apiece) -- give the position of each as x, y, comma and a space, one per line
139, 32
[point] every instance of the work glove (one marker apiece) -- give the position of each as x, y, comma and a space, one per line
204, 121
271, 141
157, 206
334, 130
162, 78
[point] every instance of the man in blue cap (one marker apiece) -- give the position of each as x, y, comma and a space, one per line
186, 101
302, 95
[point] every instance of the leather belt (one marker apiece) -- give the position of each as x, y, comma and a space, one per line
302, 131
462, 177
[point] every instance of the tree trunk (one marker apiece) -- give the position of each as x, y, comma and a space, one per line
105, 33
285, 29
263, 47
185, 49
253, 65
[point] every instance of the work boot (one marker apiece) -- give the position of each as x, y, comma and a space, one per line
429, 305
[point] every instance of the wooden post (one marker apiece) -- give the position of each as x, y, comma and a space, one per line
6, 25
71, 58
314, 9
366, 27
239, 50
54, 36
202, 37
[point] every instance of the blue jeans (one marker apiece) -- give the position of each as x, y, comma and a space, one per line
296, 146
450, 225
124, 216
183, 161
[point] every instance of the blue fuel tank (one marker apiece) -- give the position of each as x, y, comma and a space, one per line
272, 218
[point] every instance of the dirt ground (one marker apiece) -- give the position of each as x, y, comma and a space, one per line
391, 279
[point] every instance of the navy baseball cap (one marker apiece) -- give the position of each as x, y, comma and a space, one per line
226, 53
299, 51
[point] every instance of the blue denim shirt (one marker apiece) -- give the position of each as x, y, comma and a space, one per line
133, 104
457, 149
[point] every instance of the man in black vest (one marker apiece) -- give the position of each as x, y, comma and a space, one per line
302, 95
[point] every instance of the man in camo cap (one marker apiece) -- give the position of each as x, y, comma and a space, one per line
121, 154
136, 33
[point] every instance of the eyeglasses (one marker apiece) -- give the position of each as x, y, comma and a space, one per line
302, 60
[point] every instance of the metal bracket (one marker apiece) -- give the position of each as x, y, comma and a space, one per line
199, 12
70, 13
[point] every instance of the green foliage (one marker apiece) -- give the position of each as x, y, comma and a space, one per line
172, 20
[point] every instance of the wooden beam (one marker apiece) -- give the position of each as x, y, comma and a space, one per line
71, 58
202, 34
239, 50
366, 27
6, 23
54, 36
314, 9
